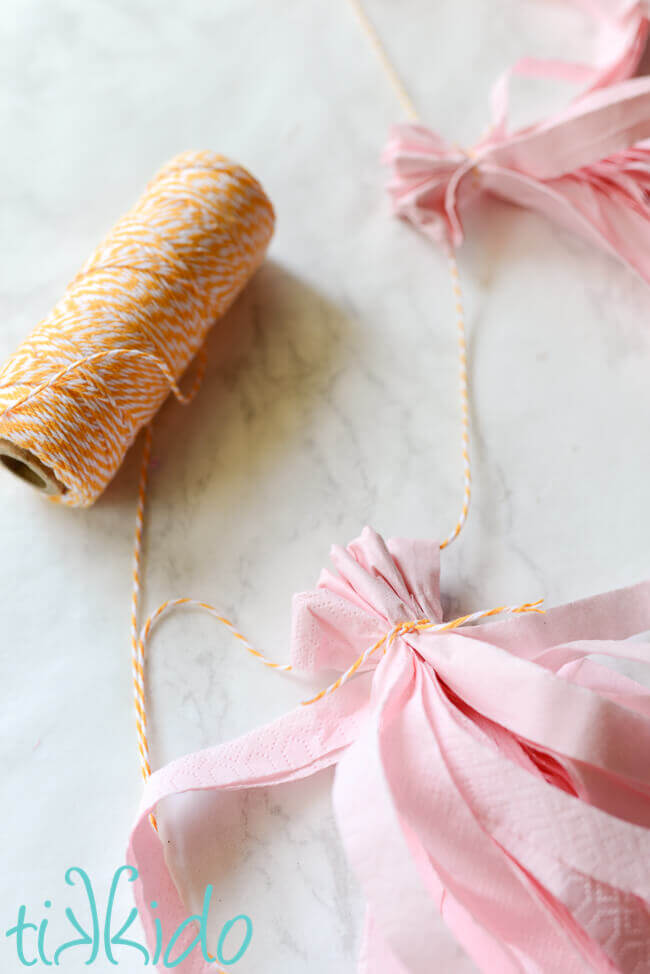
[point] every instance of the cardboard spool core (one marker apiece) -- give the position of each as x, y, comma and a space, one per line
29, 468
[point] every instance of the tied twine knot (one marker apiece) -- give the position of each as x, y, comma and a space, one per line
403, 628
410, 626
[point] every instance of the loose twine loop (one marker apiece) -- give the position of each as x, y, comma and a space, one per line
140, 638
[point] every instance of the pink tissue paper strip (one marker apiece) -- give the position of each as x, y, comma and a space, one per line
587, 168
496, 776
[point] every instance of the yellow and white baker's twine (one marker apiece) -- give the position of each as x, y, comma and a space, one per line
384, 642
95, 371
464, 398
411, 111
421, 625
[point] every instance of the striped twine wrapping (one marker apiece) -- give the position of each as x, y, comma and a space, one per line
98, 367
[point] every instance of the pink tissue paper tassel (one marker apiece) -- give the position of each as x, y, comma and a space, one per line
496, 776
587, 168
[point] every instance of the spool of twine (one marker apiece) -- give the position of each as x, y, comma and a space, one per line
95, 371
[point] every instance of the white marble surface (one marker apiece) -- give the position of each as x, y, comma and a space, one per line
330, 401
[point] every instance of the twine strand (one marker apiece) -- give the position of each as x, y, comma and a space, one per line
137, 647
140, 641
464, 397
389, 68
421, 625
411, 111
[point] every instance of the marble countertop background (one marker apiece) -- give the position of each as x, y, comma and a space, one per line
330, 402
